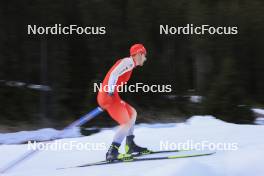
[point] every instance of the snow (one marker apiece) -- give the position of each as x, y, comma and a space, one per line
259, 116
184, 168
243, 158
259, 121
196, 99
23, 84
38, 135
259, 111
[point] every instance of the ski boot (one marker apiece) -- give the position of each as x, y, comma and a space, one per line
134, 149
113, 154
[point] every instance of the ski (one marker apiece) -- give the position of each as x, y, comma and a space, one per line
138, 159
156, 152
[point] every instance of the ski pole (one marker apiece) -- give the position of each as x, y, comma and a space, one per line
82, 120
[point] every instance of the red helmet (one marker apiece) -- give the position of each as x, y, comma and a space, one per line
137, 48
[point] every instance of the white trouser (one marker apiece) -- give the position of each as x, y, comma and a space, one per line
125, 130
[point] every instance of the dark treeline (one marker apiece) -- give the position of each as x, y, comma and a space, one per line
227, 70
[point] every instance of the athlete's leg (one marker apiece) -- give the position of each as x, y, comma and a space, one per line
119, 112
133, 116
123, 131
131, 146
126, 129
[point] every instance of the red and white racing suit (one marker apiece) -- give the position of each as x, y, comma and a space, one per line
109, 99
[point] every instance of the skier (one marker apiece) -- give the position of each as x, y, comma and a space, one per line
123, 113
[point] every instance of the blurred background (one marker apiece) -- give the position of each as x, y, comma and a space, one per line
47, 81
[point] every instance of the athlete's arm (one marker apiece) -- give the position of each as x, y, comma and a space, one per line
124, 66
